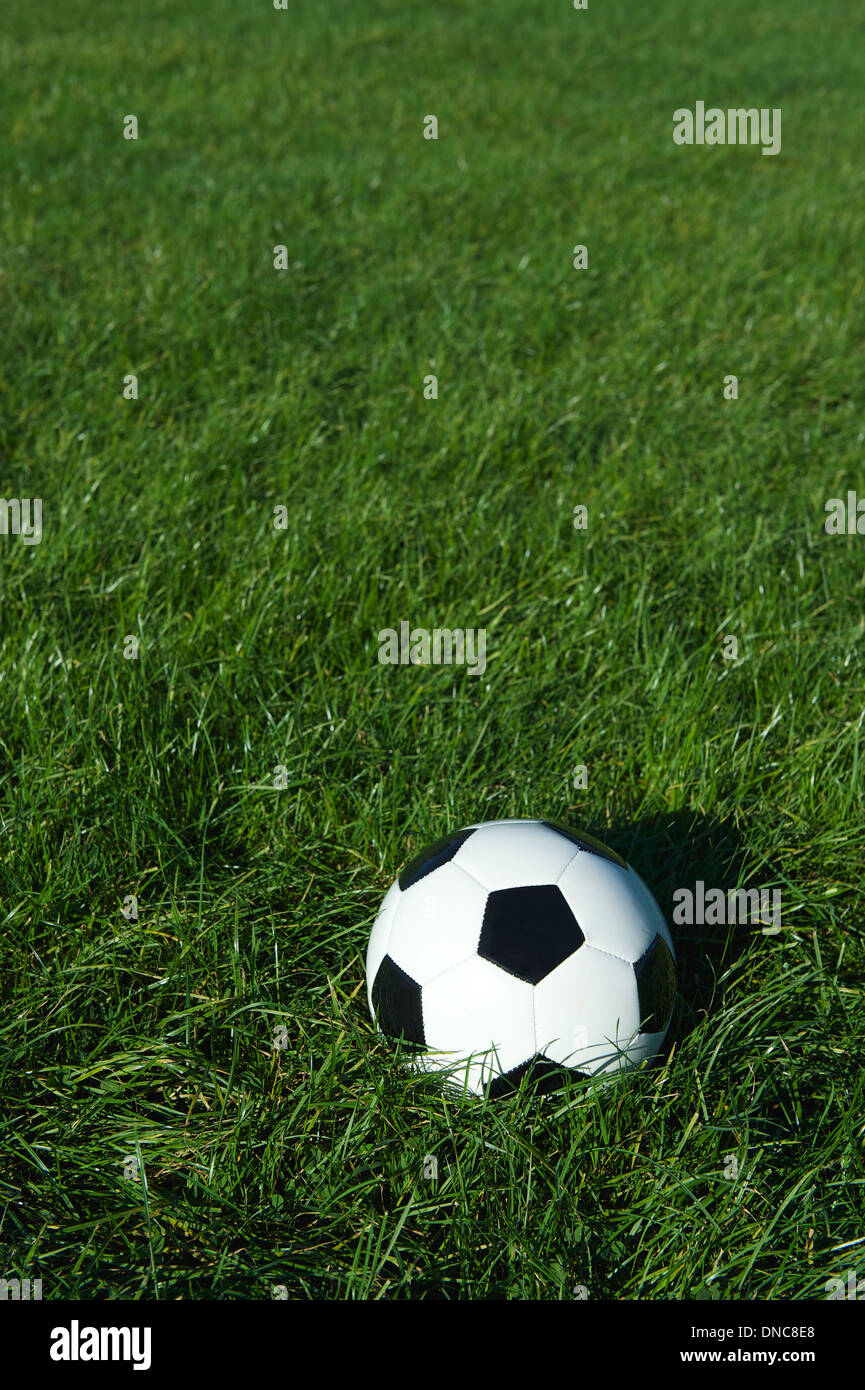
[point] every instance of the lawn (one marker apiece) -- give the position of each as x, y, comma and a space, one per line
209, 779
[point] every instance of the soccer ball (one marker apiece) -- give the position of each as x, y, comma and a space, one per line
519, 946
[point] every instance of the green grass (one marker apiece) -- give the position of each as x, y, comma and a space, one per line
302, 1166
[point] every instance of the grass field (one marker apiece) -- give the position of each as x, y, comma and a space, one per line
255, 778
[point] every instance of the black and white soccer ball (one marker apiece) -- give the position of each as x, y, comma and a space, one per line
520, 946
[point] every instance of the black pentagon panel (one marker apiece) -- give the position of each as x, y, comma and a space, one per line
656, 986
397, 1003
587, 842
539, 1074
528, 931
432, 858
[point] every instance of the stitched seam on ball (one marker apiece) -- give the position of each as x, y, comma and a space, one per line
392, 920
473, 955
462, 868
568, 865
615, 955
